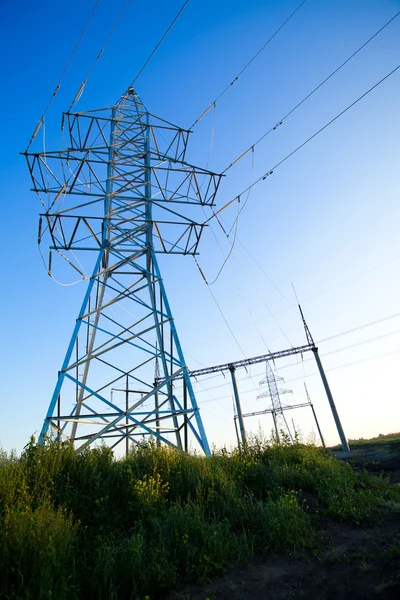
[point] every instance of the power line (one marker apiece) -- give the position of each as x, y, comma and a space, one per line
363, 342
323, 292
242, 296
362, 274
326, 290
226, 258
369, 340
332, 337
252, 282
159, 43
271, 171
230, 249
280, 122
226, 321
41, 121
248, 189
349, 347
349, 364
343, 348
333, 287
221, 311
263, 271
83, 84
247, 65
237, 285
325, 354
271, 314
238, 380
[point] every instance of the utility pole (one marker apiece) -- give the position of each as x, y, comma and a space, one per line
310, 340
238, 407
315, 416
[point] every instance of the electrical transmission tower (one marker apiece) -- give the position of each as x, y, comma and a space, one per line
121, 193
274, 392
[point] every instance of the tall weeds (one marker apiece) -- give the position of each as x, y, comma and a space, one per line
88, 525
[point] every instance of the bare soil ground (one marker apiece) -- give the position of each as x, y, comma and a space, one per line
357, 562
377, 457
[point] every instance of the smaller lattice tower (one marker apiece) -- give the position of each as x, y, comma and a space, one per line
274, 391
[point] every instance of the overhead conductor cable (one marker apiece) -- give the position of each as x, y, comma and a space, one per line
247, 65
270, 172
41, 121
280, 122
159, 43
278, 164
83, 84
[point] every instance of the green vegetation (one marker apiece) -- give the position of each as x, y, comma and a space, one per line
380, 439
88, 525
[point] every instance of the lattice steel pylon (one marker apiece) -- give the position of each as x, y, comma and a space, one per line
122, 193
274, 392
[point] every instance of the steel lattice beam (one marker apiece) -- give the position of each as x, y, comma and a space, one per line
246, 362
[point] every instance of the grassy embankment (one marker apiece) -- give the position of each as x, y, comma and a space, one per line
379, 440
88, 525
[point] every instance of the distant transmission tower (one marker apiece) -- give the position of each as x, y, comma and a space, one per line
274, 392
121, 193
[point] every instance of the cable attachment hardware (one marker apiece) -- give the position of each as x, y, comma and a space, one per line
267, 175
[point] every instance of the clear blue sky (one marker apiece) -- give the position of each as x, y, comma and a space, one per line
327, 219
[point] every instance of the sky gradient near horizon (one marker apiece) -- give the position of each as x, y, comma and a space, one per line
327, 220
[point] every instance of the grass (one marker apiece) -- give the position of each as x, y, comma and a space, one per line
380, 439
88, 525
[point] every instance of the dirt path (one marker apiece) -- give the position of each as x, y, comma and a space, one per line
377, 458
349, 562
